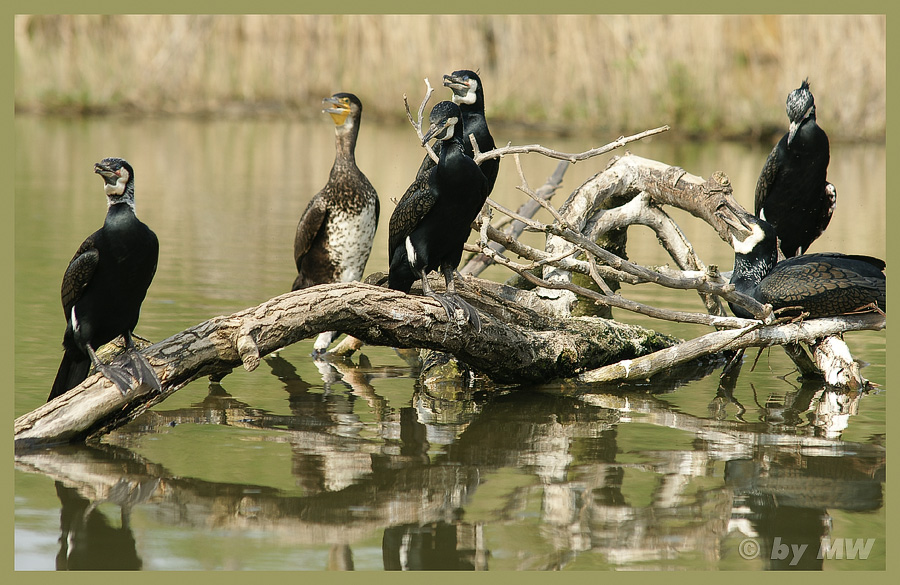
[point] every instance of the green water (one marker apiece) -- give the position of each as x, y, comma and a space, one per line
356, 464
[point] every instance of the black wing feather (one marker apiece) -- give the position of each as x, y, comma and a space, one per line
79, 273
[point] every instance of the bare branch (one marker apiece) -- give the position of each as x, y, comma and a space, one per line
418, 125
598, 280
630, 175
807, 331
508, 242
639, 211
701, 284
537, 263
571, 157
527, 190
614, 300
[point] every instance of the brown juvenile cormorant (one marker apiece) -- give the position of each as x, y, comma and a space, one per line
823, 284
792, 193
334, 236
104, 286
432, 221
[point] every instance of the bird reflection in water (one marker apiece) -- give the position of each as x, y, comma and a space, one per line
88, 540
420, 474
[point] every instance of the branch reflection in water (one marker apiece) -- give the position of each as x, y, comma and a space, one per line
440, 478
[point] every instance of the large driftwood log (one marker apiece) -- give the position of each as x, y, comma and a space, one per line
640, 187
517, 344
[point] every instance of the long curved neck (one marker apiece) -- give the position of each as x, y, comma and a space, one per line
345, 144
754, 257
749, 271
120, 214
451, 148
126, 198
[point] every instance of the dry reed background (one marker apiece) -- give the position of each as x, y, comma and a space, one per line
706, 75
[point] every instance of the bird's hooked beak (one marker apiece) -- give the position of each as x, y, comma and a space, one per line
115, 176
109, 175
736, 219
436, 129
457, 84
463, 89
339, 112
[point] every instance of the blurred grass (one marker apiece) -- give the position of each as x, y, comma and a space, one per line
705, 75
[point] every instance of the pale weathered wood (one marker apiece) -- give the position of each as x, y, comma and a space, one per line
516, 344
837, 363
631, 176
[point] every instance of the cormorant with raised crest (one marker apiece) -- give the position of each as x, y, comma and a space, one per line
432, 220
334, 236
104, 286
792, 193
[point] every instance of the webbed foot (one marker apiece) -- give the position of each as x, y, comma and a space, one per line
129, 367
142, 371
117, 376
458, 310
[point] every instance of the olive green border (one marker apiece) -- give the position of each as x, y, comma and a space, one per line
393, 6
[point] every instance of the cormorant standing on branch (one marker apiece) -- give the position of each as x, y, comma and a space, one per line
433, 218
468, 94
824, 284
792, 193
104, 286
334, 236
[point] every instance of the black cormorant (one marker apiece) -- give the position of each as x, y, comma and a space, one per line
823, 284
792, 193
433, 218
468, 94
104, 286
334, 236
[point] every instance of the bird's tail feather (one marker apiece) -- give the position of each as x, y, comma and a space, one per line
72, 371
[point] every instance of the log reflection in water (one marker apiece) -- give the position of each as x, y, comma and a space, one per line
416, 474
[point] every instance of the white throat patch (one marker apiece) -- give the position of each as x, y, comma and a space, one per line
119, 187
756, 236
470, 96
451, 128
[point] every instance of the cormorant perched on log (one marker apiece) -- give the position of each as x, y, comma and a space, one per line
334, 236
792, 193
433, 218
824, 284
104, 286
468, 94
